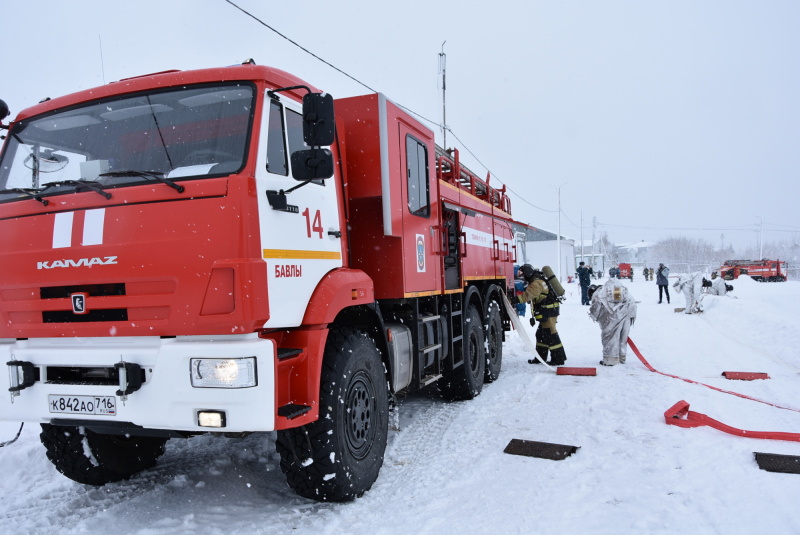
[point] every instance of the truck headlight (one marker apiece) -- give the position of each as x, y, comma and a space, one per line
224, 373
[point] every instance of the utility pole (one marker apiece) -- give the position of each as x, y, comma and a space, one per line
582, 259
761, 239
558, 237
594, 229
443, 72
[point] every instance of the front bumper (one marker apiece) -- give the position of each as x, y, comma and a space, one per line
166, 398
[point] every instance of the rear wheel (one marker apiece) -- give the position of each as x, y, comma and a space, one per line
337, 458
466, 381
494, 342
95, 459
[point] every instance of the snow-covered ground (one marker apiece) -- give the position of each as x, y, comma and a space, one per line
445, 470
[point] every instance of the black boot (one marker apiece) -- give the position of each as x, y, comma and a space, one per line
557, 354
541, 346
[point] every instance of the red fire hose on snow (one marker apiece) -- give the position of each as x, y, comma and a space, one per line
680, 415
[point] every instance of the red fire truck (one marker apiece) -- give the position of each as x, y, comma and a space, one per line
760, 270
219, 251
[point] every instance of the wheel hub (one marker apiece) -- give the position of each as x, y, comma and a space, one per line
359, 416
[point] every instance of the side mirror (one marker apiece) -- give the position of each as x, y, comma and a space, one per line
3, 110
318, 122
312, 164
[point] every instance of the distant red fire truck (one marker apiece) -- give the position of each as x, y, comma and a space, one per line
760, 270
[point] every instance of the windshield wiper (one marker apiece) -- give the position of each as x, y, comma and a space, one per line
90, 184
156, 175
32, 193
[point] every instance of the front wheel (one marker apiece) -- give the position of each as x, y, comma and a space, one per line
337, 458
96, 459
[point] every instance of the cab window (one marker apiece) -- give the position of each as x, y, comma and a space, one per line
276, 144
417, 177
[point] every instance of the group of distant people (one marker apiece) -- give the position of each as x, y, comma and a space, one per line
610, 304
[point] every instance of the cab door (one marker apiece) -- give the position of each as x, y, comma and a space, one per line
422, 242
301, 241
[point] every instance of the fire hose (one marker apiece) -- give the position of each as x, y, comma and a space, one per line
7, 442
680, 415
523, 333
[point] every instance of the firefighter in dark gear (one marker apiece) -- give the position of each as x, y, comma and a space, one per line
545, 305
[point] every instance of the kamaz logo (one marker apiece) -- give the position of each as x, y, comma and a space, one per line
81, 262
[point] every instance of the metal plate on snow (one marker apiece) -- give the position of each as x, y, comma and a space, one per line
773, 462
542, 450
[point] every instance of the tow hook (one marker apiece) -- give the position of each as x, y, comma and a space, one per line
130, 378
21, 375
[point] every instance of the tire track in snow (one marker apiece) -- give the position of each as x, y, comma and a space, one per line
416, 448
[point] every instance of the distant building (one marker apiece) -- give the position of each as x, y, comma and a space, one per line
540, 247
591, 256
635, 253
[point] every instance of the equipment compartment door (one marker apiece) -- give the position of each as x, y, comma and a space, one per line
422, 240
451, 243
504, 249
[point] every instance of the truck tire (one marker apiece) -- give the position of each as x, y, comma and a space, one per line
466, 381
494, 343
337, 458
94, 459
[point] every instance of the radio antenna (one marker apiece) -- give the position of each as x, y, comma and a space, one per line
102, 63
443, 72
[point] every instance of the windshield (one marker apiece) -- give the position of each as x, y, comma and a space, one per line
166, 136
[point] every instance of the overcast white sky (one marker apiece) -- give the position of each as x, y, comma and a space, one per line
657, 118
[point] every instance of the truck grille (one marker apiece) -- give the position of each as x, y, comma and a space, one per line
113, 302
66, 316
92, 290
63, 292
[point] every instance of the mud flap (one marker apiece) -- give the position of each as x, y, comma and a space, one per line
542, 450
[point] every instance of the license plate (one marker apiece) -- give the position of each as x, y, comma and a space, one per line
98, 405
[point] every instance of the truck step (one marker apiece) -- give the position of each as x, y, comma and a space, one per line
432, 347
288, 352
428, 379
292, 410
